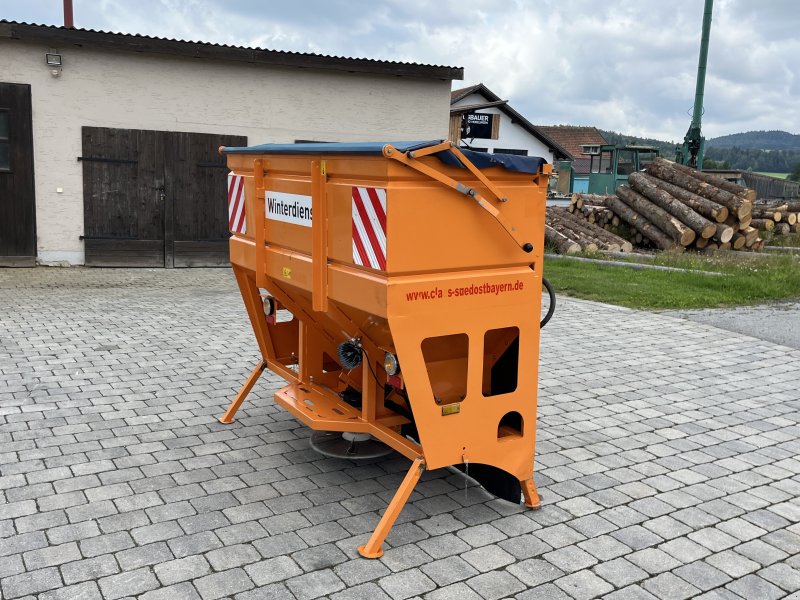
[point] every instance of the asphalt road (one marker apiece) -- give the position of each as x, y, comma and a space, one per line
778, 323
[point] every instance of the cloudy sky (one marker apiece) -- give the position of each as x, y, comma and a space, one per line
624, 65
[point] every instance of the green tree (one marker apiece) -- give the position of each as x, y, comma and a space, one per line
795, 174
715, 164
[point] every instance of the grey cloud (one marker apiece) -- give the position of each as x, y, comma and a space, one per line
620, 65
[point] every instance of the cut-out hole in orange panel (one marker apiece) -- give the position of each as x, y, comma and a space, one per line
446, 360
510, 425
500, 361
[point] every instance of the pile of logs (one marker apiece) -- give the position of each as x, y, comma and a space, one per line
781, 218
571, 234
672, 207
594, 213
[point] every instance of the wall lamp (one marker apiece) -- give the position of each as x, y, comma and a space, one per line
54, 61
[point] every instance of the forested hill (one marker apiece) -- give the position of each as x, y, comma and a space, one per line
766, 161
765, 151
666, 149
757, 140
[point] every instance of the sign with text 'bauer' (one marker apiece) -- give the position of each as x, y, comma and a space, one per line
480, 125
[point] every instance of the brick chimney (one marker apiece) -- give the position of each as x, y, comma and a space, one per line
68, 22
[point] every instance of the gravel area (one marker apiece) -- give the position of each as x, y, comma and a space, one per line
778, 322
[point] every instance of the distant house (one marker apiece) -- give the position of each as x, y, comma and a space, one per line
573, 139
481, 120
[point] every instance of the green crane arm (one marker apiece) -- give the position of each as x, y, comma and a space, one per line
694, 143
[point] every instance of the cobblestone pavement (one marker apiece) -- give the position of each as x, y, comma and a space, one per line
667, 462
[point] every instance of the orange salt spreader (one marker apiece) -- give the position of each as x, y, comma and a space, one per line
413, 275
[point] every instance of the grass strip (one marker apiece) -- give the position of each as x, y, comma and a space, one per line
746, 280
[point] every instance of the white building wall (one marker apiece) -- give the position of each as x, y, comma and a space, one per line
512, 135
145, 91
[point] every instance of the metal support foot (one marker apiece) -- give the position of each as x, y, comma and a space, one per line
372, 549
530, 494
227, 418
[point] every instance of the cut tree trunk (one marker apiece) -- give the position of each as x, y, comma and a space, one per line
605, 240
774, 205
782, 229
723, 233
574, 231
699, 204
607, 215
558, 219
763, 224
560, 241
591, 199
738, 241
597, 233
666, 171
671, 226
586, 244
745, 222
762, 213
751, 235
698, 223
641, 224
739, 224
715, 180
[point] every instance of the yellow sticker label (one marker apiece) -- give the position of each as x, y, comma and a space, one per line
287, 272
451, 409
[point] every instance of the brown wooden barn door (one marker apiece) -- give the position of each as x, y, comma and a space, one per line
196, 181
17, 197
122, 204
155, 198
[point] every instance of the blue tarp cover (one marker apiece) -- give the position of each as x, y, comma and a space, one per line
482, 160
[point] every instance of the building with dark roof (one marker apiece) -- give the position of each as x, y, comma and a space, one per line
572, 138
108, 141
481, 120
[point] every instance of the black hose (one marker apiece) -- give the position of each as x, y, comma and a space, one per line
552, 293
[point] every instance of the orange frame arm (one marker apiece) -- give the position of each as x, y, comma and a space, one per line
411, 161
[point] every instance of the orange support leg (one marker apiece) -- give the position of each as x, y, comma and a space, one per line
530, 494
227, 418
372, 549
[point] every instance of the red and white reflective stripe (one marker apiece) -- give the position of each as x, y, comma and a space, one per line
369, 227
236, 220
